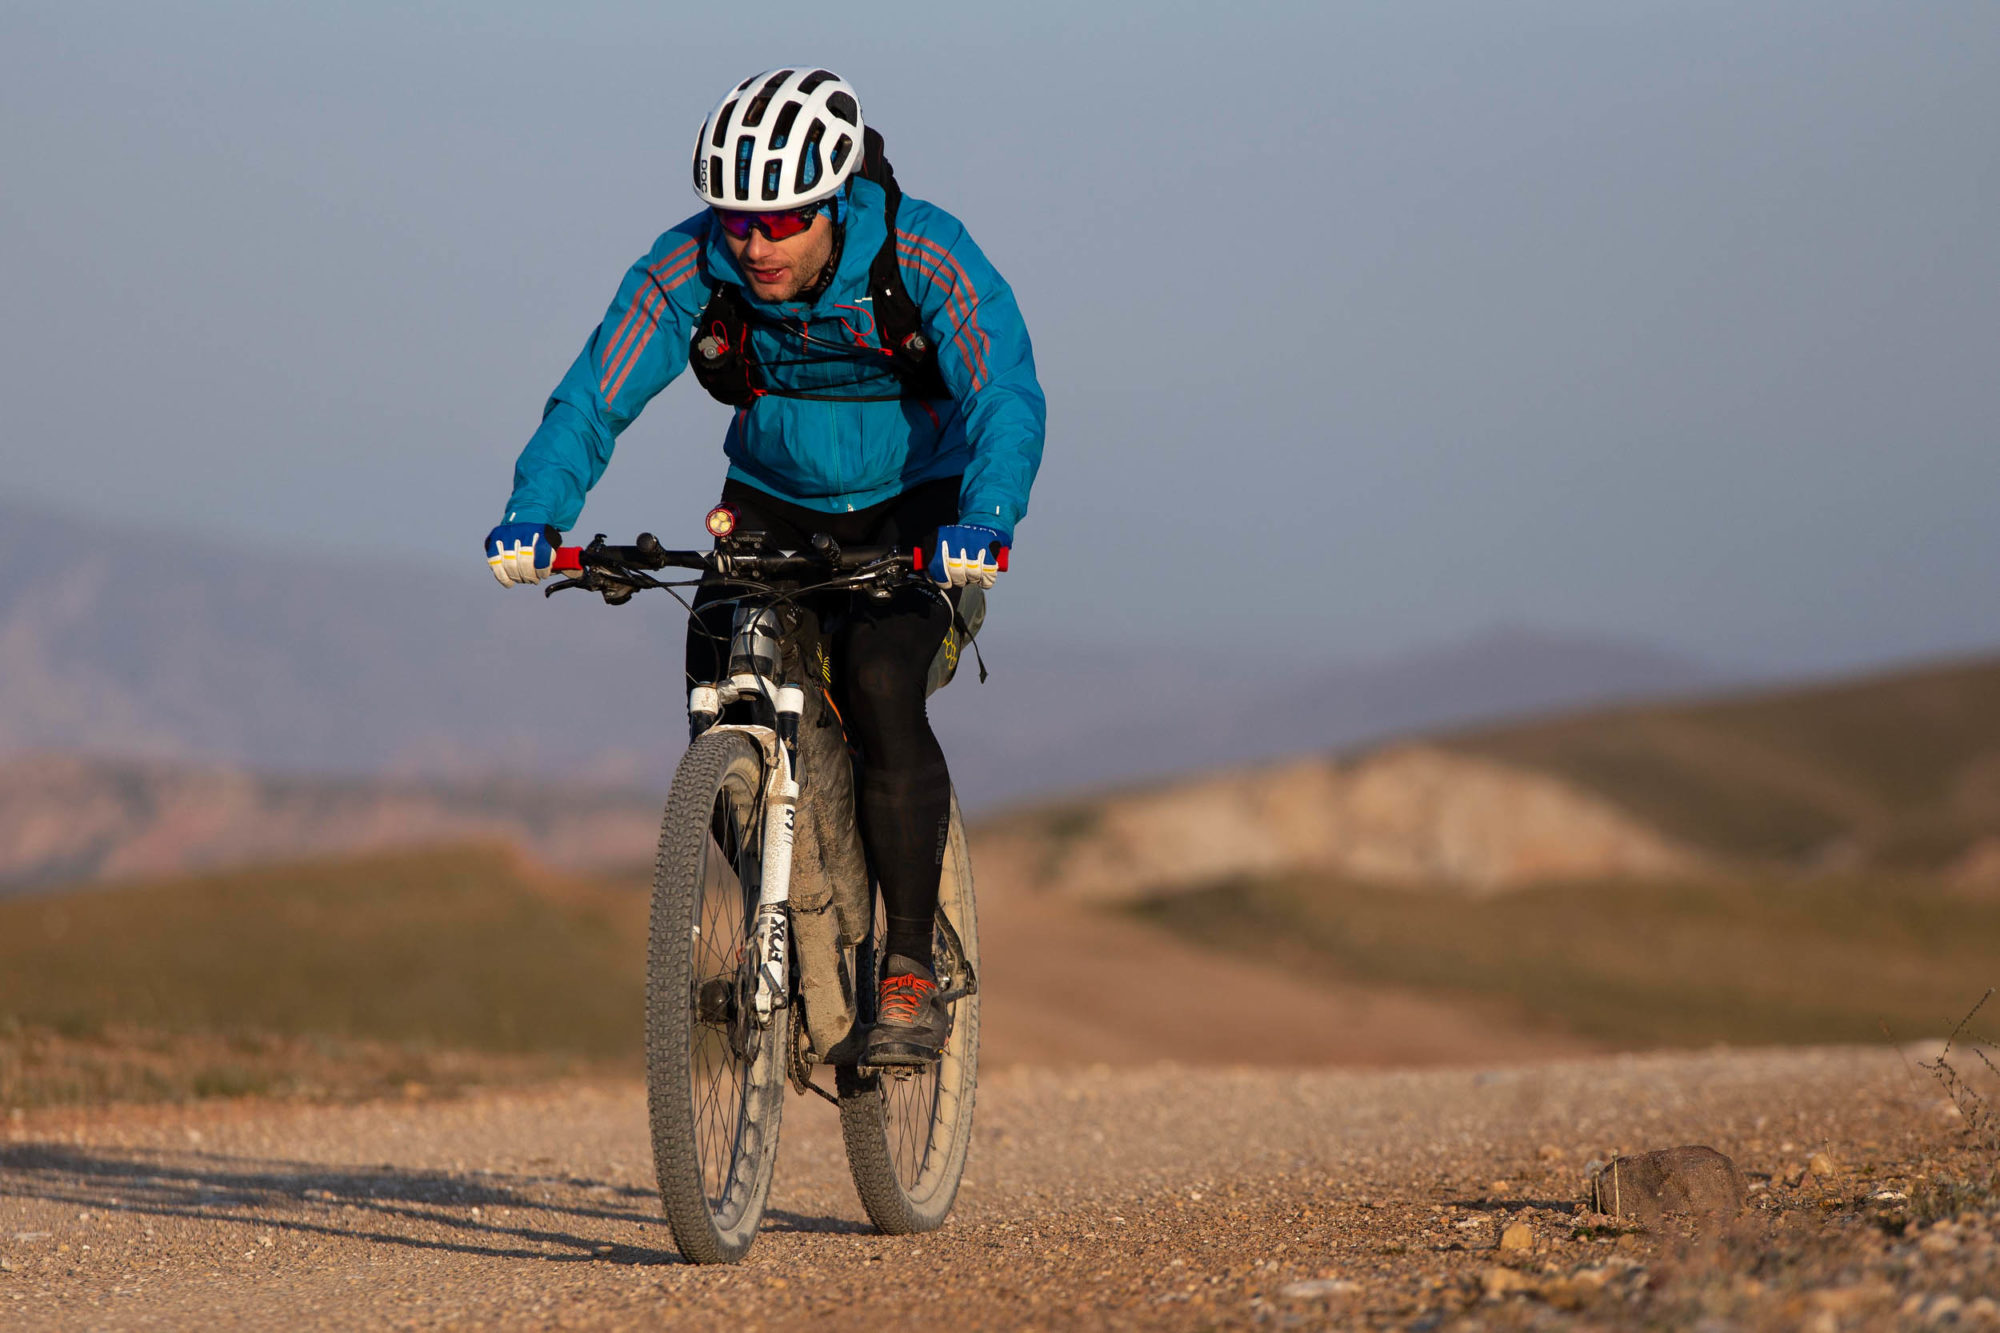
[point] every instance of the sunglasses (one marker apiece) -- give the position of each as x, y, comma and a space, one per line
775, 226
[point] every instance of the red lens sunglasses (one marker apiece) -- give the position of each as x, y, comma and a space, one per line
776, 226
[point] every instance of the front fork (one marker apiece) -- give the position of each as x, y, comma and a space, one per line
770, 938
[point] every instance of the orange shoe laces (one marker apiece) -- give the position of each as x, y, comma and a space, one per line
902, 996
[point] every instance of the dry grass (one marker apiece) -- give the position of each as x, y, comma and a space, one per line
430, 968
1750, 960
40, 1067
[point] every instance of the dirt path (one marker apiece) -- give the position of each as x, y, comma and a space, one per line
1138, 1198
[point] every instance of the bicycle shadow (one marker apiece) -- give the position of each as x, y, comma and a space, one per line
386, 1205
785, 1222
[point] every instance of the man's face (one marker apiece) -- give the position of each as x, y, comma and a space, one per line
780, 270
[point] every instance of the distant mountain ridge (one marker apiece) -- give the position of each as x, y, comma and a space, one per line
124, 643
67, 819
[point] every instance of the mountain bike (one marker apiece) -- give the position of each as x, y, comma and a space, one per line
767, 933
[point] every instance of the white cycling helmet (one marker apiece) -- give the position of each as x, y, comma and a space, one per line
784, 139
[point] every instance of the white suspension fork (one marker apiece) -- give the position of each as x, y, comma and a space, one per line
771, 935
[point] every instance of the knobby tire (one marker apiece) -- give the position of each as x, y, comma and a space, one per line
715, 1085
907, 1138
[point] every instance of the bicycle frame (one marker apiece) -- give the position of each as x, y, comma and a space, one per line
784, 936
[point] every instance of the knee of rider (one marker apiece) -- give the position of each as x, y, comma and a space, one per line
896, 784
884, 685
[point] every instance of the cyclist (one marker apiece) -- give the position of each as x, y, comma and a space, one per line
885, 394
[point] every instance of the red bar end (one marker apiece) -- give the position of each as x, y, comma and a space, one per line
569, 560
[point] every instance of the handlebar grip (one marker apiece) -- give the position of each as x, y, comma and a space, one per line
569, 560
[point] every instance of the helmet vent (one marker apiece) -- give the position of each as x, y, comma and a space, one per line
781, 132
809, 164
844, 106
773, 170
744, 147
721, 136
841, 148
814, 80
753, 115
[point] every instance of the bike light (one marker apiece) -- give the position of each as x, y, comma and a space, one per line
721, 520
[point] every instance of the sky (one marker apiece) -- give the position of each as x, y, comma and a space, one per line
1364, 326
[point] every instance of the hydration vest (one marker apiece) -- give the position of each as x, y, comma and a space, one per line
723, 360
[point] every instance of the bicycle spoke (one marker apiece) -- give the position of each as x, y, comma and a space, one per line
716, 1070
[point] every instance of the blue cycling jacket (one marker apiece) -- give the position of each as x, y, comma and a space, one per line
825, 455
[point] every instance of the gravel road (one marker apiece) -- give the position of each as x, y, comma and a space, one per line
1154, 1197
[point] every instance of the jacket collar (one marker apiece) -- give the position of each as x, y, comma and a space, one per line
866, 229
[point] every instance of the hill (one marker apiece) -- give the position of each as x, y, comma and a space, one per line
1897, 770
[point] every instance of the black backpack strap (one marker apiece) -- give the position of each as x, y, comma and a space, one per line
719, 343
898, 320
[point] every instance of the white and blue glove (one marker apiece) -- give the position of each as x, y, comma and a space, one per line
968, 553
521, 552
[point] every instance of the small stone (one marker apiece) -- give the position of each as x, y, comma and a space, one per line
1938, 1242
1575, 1291
1517, 1237
6, 1265
1690, 1181
1548, 1152
1319, 1289
1888, 1196
1503, 1282
1942, 1307
1821, 1166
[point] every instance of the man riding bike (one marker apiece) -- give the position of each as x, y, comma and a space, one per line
885, 395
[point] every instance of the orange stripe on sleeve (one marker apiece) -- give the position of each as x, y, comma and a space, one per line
647, 330
967, 348
636, 312
943, 258
631, 311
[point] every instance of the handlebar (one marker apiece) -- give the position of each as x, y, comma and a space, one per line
646, 554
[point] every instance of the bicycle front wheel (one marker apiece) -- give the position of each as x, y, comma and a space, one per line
907, 1131
715, 1077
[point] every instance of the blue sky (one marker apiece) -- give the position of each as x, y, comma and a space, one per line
1365, 325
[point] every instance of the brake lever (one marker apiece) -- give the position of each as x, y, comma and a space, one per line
616, 592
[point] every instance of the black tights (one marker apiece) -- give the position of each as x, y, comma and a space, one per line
882, 651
